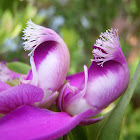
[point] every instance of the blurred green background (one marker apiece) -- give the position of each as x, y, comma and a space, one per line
79, 23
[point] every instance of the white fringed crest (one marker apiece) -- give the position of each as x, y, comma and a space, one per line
32, 36
109, 43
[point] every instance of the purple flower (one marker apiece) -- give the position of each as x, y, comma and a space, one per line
25, 118
49, 58
82, 96
102, 83
25, 121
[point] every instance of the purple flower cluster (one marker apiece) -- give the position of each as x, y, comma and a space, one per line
78, 97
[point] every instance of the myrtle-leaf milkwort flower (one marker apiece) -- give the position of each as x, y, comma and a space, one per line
86, 93
49, 58
100, 84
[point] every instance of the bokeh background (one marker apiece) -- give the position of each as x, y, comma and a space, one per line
79, 23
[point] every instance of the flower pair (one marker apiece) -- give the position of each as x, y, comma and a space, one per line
80, 97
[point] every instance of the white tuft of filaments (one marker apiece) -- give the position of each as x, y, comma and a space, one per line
106, 46
32, 36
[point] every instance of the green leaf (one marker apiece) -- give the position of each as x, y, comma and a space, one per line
7, 21
109, 128
78, 133
19, 67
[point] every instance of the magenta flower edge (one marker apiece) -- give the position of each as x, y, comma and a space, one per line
27, 122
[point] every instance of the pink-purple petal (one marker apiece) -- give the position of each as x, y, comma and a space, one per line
91, 121
3, 86
29, 122
50, 57
75, 79
106, 83
60, 98
16, 96
47, 102
6, 74
108, 78
51, 63
29, 75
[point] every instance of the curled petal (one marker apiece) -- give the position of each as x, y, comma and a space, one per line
16, 96
50, 57
29, 122
91, 121
3, 86
6, 74
47, 102
108, 78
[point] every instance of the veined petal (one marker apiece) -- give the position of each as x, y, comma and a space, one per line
29, 122
3, 86
6, 74
50, 57
16, 96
